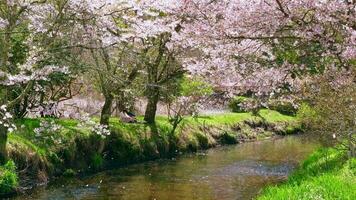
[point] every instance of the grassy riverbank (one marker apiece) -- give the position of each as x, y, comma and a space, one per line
327, 174
72, 149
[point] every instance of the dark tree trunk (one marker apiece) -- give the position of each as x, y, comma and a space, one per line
3, 140
106, 110
151, 108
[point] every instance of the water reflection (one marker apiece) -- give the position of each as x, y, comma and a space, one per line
231, 172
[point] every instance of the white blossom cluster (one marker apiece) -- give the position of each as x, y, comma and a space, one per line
6, 118
250, 105
47, 127
3, 23
101, 130
88, 123
28, 70
39, 17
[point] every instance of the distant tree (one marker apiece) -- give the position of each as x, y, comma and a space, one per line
191, 92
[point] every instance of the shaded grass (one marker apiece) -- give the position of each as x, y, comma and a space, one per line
326, 174
137, 133
190, 134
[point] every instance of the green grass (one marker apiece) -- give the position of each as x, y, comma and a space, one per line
26, 141
25, 135
135, 133
233, 118
274, 116
327, 174
162, 122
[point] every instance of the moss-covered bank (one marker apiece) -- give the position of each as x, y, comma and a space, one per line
74, 150
327, 174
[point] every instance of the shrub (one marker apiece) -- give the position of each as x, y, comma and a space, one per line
8, 178
236, 103
202, 140
97, 161
69, 173
283, 107
228, 138
305, 111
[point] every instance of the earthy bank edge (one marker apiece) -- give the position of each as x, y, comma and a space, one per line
326, 174
36, 159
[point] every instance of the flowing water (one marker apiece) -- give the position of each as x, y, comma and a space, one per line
224, 173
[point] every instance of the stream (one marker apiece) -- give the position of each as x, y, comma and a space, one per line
224, 173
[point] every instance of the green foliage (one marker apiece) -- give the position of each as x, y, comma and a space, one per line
228, 138
283, 107
69, 173
195, 87
326, 174
97, 161
306, 111
193, 144
203, 140
8, 178
19, 49
332, 114
306, 115
294, 53
235, 103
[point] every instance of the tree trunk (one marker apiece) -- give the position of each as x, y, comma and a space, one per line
151, 108
106, 110
3, 140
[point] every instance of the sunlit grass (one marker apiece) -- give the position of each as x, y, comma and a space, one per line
326, 174
274, 116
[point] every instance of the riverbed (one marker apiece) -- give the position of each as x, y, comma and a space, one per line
224, 173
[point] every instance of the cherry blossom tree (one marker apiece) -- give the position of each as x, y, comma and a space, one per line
126, 38
111, 58
32, 37
261, 46
266, 47
243, 44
